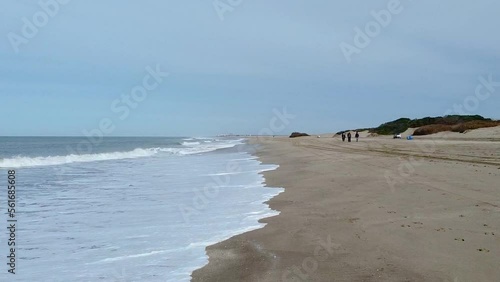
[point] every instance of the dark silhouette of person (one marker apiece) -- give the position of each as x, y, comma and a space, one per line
349, 136
357, 136
343, 136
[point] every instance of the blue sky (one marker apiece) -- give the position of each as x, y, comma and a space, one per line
228, 75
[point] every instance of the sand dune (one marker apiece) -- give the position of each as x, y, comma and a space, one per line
490, 134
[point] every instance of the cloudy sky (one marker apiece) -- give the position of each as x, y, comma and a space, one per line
65, 65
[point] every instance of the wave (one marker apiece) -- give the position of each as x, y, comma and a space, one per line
196, 141
18, 162
198, 149
190, 143
152, 253
21, 161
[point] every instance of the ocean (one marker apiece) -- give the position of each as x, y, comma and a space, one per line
126, 209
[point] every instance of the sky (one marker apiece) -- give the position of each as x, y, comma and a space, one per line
68, 66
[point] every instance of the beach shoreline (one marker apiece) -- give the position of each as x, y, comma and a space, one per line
377, 210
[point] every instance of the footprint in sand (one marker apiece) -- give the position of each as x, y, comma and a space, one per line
353, 220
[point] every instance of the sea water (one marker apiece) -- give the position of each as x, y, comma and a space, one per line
126, 209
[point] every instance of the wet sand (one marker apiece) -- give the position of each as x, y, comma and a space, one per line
377, 210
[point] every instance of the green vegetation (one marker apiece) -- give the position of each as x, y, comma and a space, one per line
461, 127
402, 124
430, 125
392, 127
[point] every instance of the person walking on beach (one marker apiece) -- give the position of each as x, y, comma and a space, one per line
343, 136
357, 136
349, 136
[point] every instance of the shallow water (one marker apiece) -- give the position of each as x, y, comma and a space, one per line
129, 211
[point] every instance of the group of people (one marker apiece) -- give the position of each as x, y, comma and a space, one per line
349, 136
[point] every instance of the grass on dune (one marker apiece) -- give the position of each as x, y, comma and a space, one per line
461, 127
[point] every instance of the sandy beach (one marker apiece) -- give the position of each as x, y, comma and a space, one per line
376, 210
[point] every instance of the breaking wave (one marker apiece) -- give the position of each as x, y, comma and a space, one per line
194, 148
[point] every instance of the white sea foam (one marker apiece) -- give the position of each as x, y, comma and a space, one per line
18, 162
126, 220
195, 148
190, 143
141, 255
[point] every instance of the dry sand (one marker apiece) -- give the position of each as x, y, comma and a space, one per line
377, 210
